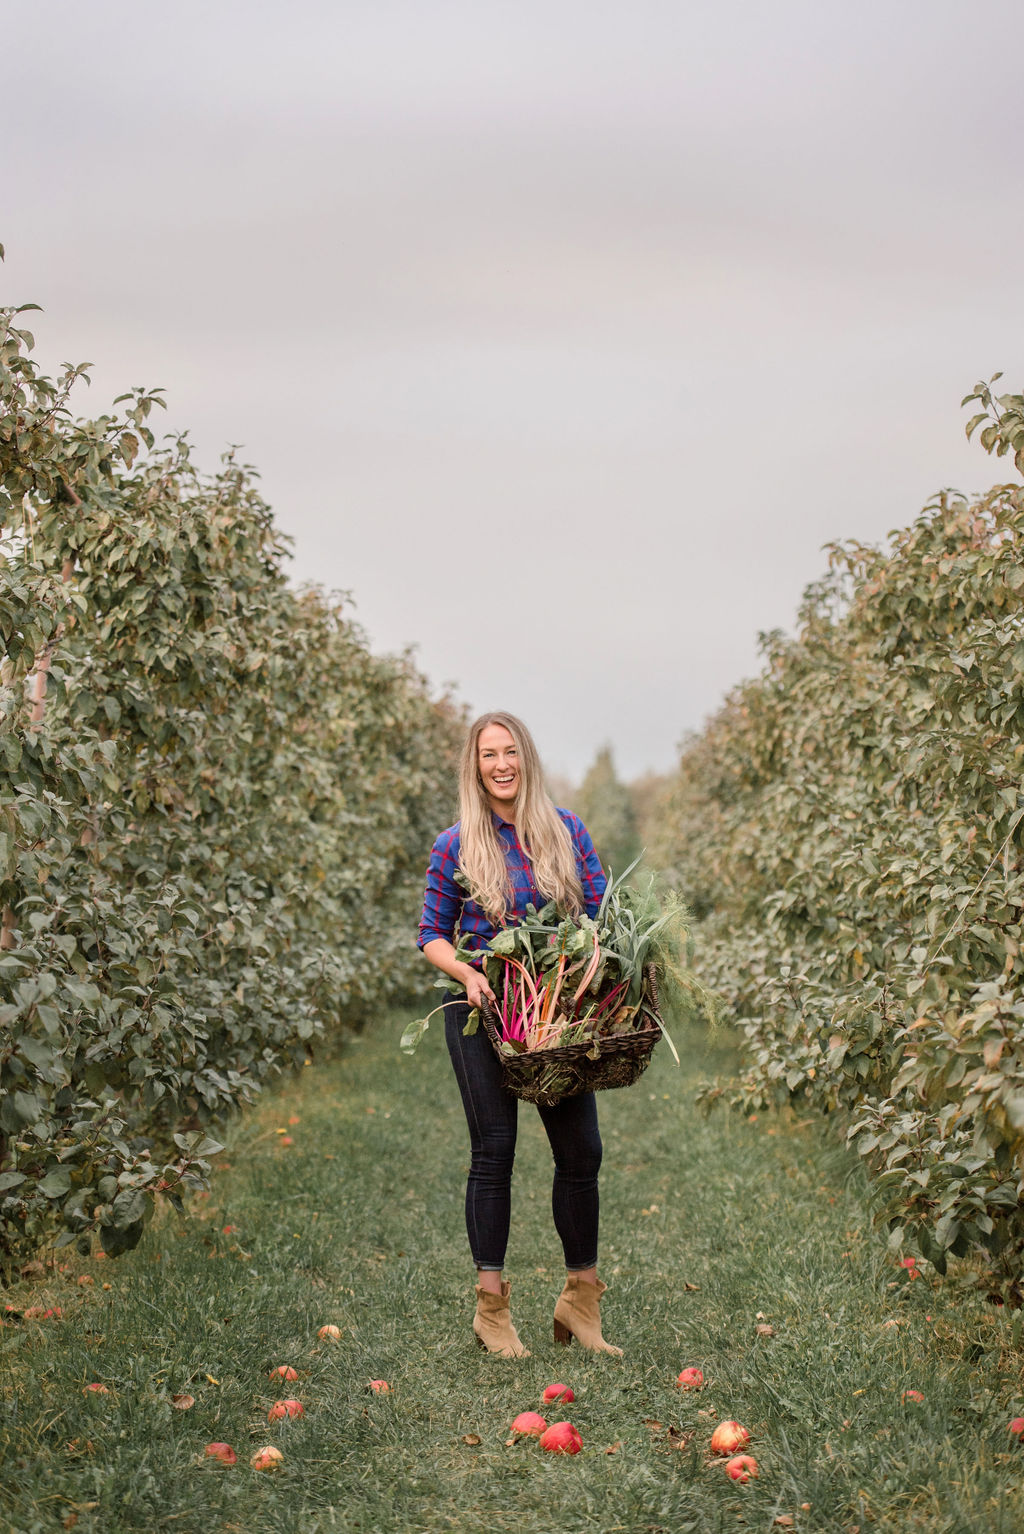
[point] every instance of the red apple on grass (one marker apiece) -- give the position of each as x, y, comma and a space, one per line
330, 1333
1016, 1427
529, 1424
911, 1395
728, 1437
741, 1467
267, 1458
283, 1372
557, 1393
289, 1408
561, 1438
222, 1452
690, 1379
380, 1386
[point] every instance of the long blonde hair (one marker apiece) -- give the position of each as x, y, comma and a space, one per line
542, 833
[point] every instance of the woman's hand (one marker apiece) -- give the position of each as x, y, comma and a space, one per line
440, 952
477, 988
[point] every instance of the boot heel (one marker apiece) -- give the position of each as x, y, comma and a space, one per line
562, 1333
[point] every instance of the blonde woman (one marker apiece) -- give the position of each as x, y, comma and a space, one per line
512, 846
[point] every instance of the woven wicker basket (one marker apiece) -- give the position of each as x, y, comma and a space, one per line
546, 1076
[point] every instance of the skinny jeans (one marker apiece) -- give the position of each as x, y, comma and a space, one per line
492, 1116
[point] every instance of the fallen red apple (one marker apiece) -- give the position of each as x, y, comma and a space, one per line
330, 1333
286, 1140
222, 1452
289, 1408
529, 1424
561, 1438
912, 1395
100, 1390
267, 1459
283, 1372
1017, 1427
381, 1386
741, 1467
557, 1393
690, 1379
728, 1437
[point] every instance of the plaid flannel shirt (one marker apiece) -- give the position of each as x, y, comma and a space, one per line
449, 912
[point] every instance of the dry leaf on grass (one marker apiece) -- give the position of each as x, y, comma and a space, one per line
183, 1402
472, 1439
613, 1448
764, 1330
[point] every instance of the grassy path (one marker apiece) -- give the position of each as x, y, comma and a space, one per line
709, 1230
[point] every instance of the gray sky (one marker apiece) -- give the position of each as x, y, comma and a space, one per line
563, 334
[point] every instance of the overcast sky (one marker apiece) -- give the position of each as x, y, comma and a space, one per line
564, 334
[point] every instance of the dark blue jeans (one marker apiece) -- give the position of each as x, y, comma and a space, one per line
492, 1116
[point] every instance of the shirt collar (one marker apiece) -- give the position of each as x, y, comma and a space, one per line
499, 824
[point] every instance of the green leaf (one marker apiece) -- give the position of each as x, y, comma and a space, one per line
128, 1208
56, 1183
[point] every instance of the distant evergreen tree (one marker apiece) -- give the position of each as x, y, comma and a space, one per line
606, 806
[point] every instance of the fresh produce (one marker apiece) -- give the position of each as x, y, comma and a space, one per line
912, 1395
267, 1458
222, 1452
557, 1392
561, 1438
380, 1386
330, 1333
283, 1372
741, 1467
728, 1437
289, 1408
529, 1424
562, 981
690, 1379
1016, 1427
96, 1389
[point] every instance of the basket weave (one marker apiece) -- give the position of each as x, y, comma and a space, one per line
546, 1076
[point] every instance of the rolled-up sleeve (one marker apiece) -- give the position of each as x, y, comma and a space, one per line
588, 864
442, 898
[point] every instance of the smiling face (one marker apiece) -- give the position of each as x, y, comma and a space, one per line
497, 761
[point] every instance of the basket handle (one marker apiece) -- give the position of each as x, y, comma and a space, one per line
489, 1017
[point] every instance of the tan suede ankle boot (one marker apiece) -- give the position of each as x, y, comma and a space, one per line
578, 1314
493, 1323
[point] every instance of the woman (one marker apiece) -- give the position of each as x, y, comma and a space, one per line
512, 847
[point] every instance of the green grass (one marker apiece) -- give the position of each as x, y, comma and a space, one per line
708, 1228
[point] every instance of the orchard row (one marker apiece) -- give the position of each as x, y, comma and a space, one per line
212, 815
850, 831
